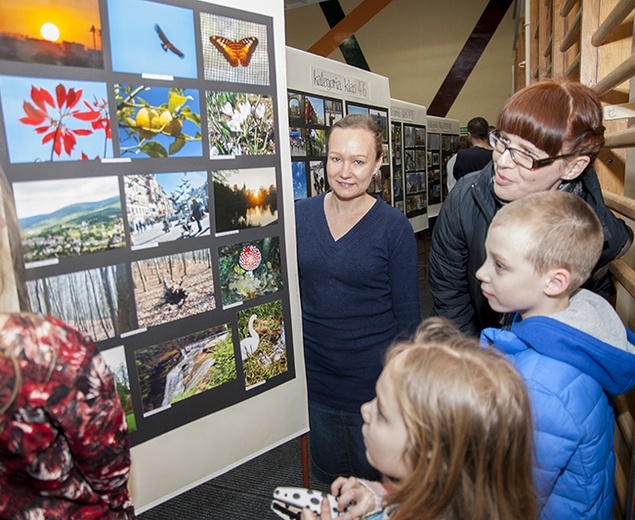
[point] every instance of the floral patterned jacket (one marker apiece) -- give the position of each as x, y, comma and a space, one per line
64, 447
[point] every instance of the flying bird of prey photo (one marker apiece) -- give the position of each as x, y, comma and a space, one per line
167, 44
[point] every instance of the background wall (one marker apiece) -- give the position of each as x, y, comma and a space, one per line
415, 43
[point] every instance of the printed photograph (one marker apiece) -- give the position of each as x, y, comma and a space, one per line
249, 269
385, 150
434, 141
152, 38
410, 160
317, 142
354, 109
381, 116
396, 135
240, 124
55, 120
420, 136
333, 111
234, 50
115, 358
245, 198
398, 187
420, 159
314, 110
298, 141
97, 302
163, 207
298, 170
412, 183
410, 136
158, 121
296, 108
181, 368
173, 287
69, 217
318, 178
263, 346
52, 32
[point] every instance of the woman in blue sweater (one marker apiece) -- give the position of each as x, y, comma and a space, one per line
357, 261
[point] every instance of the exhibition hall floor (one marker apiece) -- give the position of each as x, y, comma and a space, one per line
245, 492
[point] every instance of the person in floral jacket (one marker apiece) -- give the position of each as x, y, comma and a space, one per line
64, 446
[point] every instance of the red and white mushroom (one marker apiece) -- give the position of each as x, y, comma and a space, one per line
250, 258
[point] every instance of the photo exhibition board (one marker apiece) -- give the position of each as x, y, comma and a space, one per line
142, 141
408, 146
442, 133
320, 92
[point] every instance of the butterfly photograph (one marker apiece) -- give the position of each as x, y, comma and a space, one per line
234, 50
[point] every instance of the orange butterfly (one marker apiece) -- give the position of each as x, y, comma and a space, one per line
235, 52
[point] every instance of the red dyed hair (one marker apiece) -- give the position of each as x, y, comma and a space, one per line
557, 116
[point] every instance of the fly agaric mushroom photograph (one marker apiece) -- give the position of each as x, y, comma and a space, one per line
245, 198
263, 347
249, 269
173, 287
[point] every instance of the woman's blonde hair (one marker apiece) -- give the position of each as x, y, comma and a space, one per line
12, 286
468, 416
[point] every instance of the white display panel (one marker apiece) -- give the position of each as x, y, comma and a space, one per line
320, 92
409, 161
442, 132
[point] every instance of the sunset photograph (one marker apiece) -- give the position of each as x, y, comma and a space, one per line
54, 32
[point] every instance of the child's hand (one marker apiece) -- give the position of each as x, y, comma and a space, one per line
325, 512
352, 494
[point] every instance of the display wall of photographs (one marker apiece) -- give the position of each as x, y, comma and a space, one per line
310, 117
398, 167
447, 151
381, 183
434, 168
145, 171
414, 168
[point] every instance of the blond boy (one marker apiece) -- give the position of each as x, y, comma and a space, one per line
568, 344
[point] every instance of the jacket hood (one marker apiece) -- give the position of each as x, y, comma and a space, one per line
611, 366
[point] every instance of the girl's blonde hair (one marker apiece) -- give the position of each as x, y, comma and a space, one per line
468, 416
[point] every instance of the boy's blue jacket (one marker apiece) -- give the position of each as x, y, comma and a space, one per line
569, 375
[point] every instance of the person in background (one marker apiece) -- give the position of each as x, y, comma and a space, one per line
548, 136
479, 154
450, 429
461, 143
568, 344
64, 446
358, 272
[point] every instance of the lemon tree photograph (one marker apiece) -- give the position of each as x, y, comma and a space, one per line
158, 122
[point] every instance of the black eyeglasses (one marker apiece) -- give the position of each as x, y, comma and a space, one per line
522, 158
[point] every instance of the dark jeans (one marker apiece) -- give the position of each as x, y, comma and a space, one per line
336, 444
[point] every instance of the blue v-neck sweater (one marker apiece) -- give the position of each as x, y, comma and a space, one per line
358, 294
